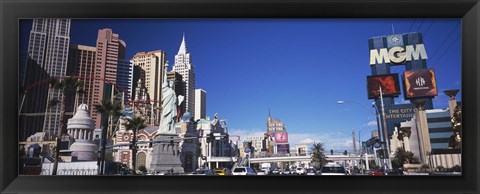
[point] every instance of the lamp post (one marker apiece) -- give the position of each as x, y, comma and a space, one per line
385, 133
376, 113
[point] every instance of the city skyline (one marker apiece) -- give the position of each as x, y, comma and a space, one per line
298, 69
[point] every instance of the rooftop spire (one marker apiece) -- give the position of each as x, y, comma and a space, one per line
183, 46
269, 117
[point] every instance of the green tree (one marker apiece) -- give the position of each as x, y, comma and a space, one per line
69, 86
134, 124
403, 157
424, 167
111, 112
440, 168
456, 168
318, 157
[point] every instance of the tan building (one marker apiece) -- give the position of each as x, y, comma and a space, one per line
151, 65
81, 63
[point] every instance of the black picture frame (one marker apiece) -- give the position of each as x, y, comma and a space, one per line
11, 11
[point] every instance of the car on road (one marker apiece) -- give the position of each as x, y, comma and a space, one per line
286, 171
300, 171
261, 172
223, 171
276, 171
204, 172
385, 172
243, 171
333, 170
378, 172
311, 172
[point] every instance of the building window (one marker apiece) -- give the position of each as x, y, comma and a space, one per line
141, 160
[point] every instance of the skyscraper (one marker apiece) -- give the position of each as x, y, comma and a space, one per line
125, 77
110, 50
81, 63
278, 136
47, 53
200, 104
151, 66
184, 66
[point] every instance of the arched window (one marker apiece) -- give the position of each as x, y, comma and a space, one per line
141, 160
142, 138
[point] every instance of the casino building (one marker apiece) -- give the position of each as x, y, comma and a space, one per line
277, 140
431, 127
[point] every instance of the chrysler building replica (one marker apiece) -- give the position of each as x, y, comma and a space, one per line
183, 65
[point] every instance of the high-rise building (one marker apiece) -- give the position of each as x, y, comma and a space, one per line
125, 77
184, 66
150, 67
110, 50
81, 63
200, 104
48, 52
278, 135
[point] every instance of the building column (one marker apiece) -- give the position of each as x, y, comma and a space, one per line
422, 130
452, 103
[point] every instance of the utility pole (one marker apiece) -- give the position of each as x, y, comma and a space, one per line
385, 133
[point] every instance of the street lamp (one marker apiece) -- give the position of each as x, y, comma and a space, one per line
377, 114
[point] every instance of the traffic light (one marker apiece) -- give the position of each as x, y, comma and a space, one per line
345, 152
381, 153
331, 152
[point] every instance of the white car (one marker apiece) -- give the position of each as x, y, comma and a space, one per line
300, 171
243, 171
311, 172
333, 170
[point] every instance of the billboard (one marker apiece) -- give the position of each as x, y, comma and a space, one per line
283, 149
389, 83
420, 83
281, 137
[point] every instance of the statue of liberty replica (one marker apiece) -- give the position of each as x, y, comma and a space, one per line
166, 153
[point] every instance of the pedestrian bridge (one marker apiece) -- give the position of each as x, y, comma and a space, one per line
306, 158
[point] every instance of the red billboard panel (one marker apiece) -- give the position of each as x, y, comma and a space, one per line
281, 137
389, 82
420, 83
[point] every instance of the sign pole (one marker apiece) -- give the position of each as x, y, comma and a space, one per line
385, 134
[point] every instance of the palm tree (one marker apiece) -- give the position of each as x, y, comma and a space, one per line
111, 112
68, 86
134, 124
318, 157
403, 157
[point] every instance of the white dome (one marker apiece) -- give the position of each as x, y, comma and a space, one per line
81, 119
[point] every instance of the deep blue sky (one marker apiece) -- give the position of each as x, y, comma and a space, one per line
297, 68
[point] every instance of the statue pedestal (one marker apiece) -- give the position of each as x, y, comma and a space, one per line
166, 154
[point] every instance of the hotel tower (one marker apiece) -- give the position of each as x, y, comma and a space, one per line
184, 66
47, 57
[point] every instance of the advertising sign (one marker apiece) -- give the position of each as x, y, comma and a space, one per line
420, 83
389, 83
283, 148
399, 113
281, 137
